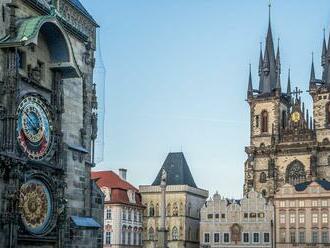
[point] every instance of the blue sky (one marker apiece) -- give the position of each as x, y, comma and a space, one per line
177, 74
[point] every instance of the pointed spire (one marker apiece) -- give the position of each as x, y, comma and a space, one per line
288, 89
324, 49
278, 82
250, 86
278, 59
261, 61
312, 78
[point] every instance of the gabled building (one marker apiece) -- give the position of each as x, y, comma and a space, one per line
183, 201
123, 210
246, 222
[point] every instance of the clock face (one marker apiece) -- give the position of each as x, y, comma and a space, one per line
35, 206
295, 116
34, 128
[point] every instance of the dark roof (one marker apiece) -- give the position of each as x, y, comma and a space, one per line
322, 182
78, 5
85, 222
178, 172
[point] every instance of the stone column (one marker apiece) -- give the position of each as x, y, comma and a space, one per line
162, 231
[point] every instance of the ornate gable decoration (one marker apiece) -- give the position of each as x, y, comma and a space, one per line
297, 126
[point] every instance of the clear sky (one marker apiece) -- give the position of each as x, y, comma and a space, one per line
177, 74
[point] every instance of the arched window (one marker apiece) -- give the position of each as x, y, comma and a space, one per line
264, 193
263, 177
168, 209
189, 234
175, 234
264, 121
151, 210
151, 234
123, 235
295, 173
284, 119
175, 209
157, 210
327, 113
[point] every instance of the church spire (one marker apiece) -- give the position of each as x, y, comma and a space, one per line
261, 61
250, 86
324, 50
288, 88
312, 77
278, 59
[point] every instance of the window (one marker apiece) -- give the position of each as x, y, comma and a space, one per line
282, 218
210, 216
216, 216
124, 214
41, 69
175, 235
226, 237
108, 238
206, 238
140, 238
175, 209
325, 218
263, 177
129, 234
255, 237
284, 119
169, 209
264, 121
292, 218
292, 204
315, 237
301, 237
314, 203
301, 218
151, 210
257, 121
301, 204
134, 238
292, 237
314, 218
129, 214
123, 236
157, 210
21, 59
295, 173
246, 215
223, 216
327, 109
325, 237
282, 204
261, 215
151, 233
266, 237
246, 238
135, 216
108, 214
282, 236
216, 237
324, 203
140, 217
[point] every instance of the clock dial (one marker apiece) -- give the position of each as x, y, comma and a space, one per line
34, 128
35, 206
295, 116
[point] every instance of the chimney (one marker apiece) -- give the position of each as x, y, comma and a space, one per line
123, 173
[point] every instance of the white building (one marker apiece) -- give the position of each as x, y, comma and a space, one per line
247, 222
123, 210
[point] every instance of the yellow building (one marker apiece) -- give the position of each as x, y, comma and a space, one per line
183, 203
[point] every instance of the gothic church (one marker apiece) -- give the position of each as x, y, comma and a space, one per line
287, 145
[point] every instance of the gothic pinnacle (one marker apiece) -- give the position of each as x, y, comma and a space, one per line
250, 86
324, 49
288, 89
312, 77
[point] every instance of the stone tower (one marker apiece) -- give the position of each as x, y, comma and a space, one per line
286, 146
47, 126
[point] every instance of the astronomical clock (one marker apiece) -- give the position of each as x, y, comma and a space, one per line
47, 125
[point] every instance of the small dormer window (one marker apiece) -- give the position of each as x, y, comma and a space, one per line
21, 59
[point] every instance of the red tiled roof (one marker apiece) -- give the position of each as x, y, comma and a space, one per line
111, 180
117, 186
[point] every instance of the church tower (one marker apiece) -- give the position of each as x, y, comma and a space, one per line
281, 133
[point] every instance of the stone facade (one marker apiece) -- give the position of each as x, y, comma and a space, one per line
48, 126
183, 204
247, 222
302, 215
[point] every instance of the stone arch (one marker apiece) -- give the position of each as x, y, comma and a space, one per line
175, 233
151, 233
175, 211
295, 173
